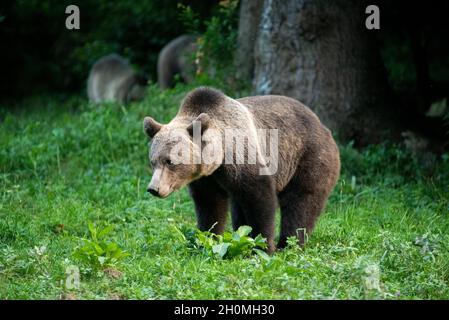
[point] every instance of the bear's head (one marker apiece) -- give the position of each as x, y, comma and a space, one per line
177, 152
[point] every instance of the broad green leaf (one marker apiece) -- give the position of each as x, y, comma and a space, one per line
105, 231
99, 250
244, 231
220, 249
260, 242
228, 236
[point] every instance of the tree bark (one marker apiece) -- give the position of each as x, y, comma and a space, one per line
321, 53
249, 19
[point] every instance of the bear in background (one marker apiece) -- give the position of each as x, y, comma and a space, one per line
176, 57
113, 79
306, 171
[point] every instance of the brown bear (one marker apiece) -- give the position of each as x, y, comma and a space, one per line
113, 79
176, 57
297, 175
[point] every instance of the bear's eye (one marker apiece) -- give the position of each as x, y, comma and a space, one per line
168, 162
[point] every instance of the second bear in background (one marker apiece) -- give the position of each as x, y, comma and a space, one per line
113, 79
176, 57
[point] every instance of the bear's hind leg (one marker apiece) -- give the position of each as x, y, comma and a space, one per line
299, 211
211, 204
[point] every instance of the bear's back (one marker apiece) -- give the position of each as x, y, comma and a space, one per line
301, 135
275, 111
109, 78
174, 58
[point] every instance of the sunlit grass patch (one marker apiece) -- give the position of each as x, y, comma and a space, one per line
64, 162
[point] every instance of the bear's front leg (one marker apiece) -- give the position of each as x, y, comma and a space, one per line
211, 204
255, 202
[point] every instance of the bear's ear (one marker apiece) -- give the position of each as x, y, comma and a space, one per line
151, 126
202, 120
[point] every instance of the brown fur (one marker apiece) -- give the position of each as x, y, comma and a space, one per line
175, 58
113, 79
308, 165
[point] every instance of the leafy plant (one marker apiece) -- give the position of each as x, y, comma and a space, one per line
189, 18
218, 39
97, 252
231, 244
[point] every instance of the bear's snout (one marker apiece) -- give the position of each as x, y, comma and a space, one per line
154, 192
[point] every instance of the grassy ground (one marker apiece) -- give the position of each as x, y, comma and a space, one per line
63, 163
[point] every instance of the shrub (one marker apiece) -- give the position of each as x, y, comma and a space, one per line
97, 252
230, 244
217, 41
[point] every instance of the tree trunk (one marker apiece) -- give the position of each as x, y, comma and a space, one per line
321, 53
250, 12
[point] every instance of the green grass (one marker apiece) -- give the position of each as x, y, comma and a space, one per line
63, 163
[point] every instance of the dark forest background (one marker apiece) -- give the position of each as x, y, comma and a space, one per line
40, 55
